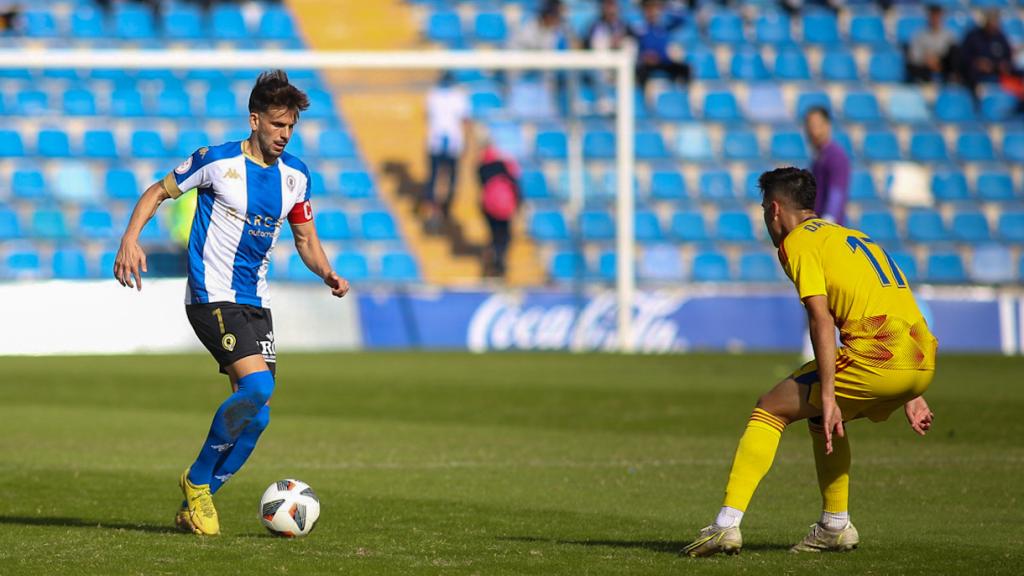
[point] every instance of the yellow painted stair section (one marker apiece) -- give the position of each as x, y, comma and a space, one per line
385, 110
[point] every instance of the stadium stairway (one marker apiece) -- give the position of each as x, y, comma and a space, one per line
385, 111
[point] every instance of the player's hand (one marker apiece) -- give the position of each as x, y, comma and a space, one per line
337, 284
919, 415
129, 264
833, 421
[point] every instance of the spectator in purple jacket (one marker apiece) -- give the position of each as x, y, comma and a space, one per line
831, 167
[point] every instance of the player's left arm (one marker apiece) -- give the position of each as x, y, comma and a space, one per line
823, 339
307, 244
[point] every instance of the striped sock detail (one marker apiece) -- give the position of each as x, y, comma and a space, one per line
759, 415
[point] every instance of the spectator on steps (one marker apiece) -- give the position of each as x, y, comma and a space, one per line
933, 51
499, 201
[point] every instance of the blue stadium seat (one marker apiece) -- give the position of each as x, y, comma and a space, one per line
148, 144
227, 23
298, 272
928, 146
667, 185
567, 266
96, 224
49, 224
1011, 227
702, 64
789, 145
673, 105
772, 27
717, 185
975, 146
881, 146
807, 100
867, 29
741, 145
886, 66
954, 105
726, 27
946, 268
971, 226
183, 23
766, 104
925, 225
880, 226
528, 99
907, 106
721, 106
596, 225
710, 266
53, 143
759, 267
734, 226
398, 266
839, 66
321, 105
28, 184
649, 145
607, 263
10, 228
189, 141
352, 266
907, 26
33, 102
1013, 146
689, 226
791, 64
104, 264
747, 64
549, 226
87, 22
490, 27
647, 227
693, 143
995, 186
949, 186
174, 103
121, 184
378, 225
485, 102
221, 103
862, 186
998, 106
126, 102
276, 24
69, 264
444, 26
599, 144
336, 144
297, 145
22, 264
861, 107
907, 264
332, 225
551, 145
10, 144
133, 22
534, 186
356, 184
79, 102
991, 264
661, 263
820, 28
40, 24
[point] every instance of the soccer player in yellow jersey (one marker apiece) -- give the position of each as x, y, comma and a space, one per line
886, 361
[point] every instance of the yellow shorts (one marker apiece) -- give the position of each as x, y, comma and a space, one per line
863, 390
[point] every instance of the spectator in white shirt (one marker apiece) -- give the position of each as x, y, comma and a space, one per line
447, 119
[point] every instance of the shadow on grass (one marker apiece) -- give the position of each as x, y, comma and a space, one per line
660, 546
84, 523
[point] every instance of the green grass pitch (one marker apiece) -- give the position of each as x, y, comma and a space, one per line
492, 464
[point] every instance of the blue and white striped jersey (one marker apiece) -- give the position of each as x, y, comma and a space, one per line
241, 207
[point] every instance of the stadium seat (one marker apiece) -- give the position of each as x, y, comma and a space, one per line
548, 226
534, 100
227, 23
880, 226
673, 105
667, 185
926, 226
133, 22
907, 106
10, 144
567, 266
954, 105
33, 103
445, 27
839, 66
53, 143
599, 144
276, 24
485, 102
693, 143
741, 145
87, 23
1011, 227
907, 26
647, 227
49, 224
174, 103
649, 145
766, 105
702, 64
399, 266
79, 102
862, 186
596, 226
789, 146
551, 145
975, 146
886, 66
773, 27
1013, 146
28, 184
121, 184
661, 263
820, 28
998, 106
748, 65
148, 144
96, 224
867, 29
69, 264
336, 144
928, 146
949, 186
991, 264
791, 64
721, 106
971, 226
717, 185
40, 24
332, 225
298, 272
946, 268
356, 184
10, 228
352, 266
377, 225
995, 186
881, 146
126, 102
861, 107
759, 267
183, 23
734, 226
726, 27
22, 264
807, 100
221, 104
688, 226
490, 27
907, 264
534, 185
710, 266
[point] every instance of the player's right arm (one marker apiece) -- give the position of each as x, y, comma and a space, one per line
130, 262
823, 339
919, 415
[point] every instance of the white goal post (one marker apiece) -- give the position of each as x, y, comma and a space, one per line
621, 63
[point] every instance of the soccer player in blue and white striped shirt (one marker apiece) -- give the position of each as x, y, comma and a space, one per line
246, 192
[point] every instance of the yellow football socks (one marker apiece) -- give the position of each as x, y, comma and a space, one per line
754, 457
833, 470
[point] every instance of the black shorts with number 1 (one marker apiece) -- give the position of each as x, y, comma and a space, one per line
234, 331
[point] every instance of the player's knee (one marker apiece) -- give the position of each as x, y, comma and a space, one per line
770, 404
258, 386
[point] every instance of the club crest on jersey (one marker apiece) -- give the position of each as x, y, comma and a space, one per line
291, 183
184, 166
228, 342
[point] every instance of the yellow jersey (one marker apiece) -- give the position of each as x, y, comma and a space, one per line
868, 295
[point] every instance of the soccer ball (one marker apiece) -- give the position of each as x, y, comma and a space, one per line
289, 508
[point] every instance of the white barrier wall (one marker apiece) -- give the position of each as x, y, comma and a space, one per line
101, 317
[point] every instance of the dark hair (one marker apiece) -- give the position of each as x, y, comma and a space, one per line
272, 90
819, 110
935, 9
791, 185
